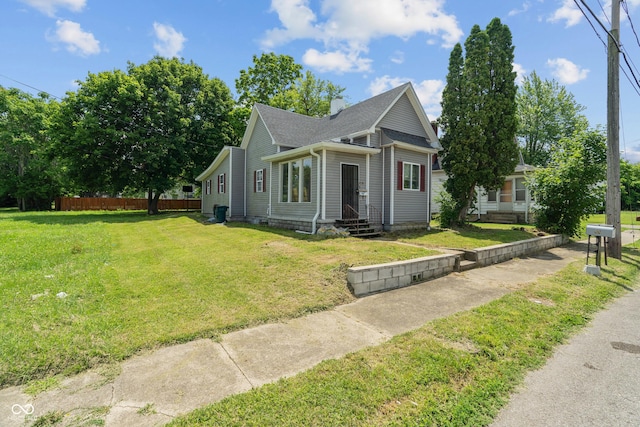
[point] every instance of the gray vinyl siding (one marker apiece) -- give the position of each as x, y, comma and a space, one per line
375, 140
207, 199
216, 198
294, 210
375, 184
402, 117
237, 183
409, 205
259, 145
386, 186
335, 161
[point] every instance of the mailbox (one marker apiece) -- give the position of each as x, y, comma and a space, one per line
601, 230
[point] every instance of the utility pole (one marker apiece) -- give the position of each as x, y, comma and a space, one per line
613, 131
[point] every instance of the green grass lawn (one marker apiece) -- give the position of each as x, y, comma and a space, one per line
134, 282
468, 237
456, 371
627, 220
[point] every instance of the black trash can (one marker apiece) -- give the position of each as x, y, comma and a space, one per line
221, 213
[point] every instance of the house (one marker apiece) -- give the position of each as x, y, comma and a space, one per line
511, 204
369, 162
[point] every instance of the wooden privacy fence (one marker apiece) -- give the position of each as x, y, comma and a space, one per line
114, 204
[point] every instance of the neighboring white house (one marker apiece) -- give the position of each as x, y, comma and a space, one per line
370, 161
511, 204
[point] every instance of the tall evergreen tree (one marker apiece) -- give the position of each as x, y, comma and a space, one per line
479, 115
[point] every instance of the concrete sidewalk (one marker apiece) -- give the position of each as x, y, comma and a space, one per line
151, 389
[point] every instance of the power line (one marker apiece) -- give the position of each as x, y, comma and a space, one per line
625, 7
31, 87
635, 82
603, 12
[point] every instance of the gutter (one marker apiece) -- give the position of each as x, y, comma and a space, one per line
314, 221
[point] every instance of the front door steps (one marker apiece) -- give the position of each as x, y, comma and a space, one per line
358, 227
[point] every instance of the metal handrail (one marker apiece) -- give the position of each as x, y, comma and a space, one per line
375, 218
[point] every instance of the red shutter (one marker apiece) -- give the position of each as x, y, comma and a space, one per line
400, 177
218, 186
255, 180
224, 178
264, 180
423, 175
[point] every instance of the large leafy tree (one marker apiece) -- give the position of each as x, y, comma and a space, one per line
630, 185
571, 187
546, 113
28, 175
268, 80
278, 81
479, 115
312, 96
145, 130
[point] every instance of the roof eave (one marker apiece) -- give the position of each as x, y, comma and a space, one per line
216, 162
319, 146
411, 147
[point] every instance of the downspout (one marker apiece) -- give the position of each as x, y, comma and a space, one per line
324, 184
384, 165
270, 188
230, 184
367, 184
245, 186
314, 221
392, 165
429, 164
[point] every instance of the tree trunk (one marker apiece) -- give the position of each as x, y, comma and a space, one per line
152, 202
462, 215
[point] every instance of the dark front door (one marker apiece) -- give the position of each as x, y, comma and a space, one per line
349, 191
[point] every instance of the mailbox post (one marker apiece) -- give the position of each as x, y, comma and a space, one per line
599, 232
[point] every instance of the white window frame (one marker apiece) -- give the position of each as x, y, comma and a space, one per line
259, 180
301, 180
412, 168
222, 185
520, 191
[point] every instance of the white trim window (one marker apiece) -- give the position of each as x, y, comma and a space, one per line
258, 181
295, 178
411, 176
521, 190
208, 187
222, 183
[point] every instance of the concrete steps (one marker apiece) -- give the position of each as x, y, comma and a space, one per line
358, 227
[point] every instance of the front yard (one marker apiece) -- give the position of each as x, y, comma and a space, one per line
132, 282
82, 289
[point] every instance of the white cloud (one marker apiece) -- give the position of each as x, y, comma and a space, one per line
75, 38
631, 154
569, 12
169, 41
298, 21
429, 91
566, 71
525, 6
336, 61
347, 27
49, 7
520, 73
398, 57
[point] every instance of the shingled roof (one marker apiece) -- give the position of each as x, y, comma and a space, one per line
296, 130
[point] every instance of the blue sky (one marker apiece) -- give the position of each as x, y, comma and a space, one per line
367, 46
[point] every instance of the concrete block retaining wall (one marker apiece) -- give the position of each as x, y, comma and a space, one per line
506, 251
383, 277
392, 275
